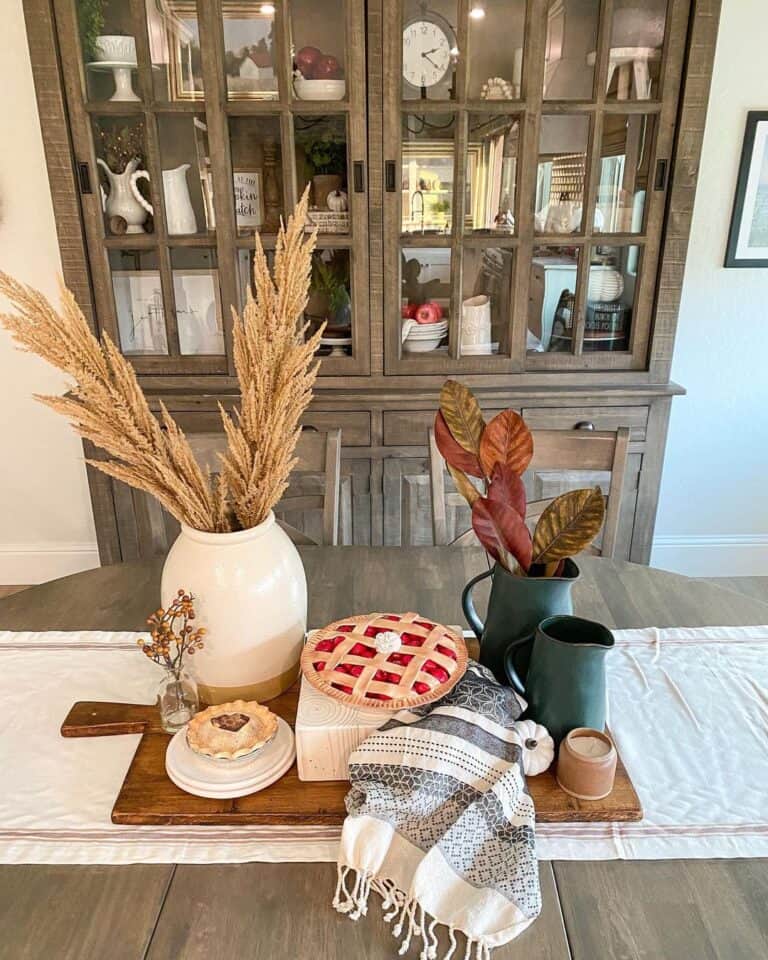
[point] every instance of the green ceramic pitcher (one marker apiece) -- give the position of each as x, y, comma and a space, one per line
516, 607
565, 686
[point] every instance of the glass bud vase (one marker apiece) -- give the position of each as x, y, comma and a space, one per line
177, 700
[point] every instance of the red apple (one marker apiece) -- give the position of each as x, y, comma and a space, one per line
408, 311
306, 59
437, 307
427, 313
327, 68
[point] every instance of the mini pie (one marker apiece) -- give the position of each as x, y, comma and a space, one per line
388, 661
231, 730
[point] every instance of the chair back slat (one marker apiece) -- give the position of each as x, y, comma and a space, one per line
553, 450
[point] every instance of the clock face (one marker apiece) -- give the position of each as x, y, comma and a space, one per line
426, 53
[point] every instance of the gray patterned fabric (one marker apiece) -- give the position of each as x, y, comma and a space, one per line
440, 822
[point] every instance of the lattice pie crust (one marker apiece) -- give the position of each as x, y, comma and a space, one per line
388, 661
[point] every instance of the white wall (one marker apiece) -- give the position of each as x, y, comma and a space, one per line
46, 528
713, 515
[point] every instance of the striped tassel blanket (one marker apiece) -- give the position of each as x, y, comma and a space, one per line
440, 824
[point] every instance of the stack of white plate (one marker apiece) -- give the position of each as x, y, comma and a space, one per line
225, 779
423, 337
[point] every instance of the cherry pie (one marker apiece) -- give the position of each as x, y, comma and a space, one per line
231, 730
385, 660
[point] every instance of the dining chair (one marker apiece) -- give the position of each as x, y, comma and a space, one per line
556, 450
315, 483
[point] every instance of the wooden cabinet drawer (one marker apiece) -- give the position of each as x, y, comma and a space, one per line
604, 418
355, 425
406, 428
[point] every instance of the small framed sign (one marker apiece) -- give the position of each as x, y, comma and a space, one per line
748, 236
249, 198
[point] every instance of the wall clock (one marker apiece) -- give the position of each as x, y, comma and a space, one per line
429, 47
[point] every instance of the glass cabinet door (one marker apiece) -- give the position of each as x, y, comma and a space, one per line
526, 150
197, 125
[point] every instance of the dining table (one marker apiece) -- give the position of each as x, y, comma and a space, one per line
613, 909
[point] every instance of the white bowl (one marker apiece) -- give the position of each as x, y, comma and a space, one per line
423, 345
320, 89
428, 330
115, 49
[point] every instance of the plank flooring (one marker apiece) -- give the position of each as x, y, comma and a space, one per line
243, 911
755, 587
80, 912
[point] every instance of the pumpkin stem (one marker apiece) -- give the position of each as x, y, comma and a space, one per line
531, 744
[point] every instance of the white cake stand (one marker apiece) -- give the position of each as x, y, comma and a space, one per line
226, 779
121, 71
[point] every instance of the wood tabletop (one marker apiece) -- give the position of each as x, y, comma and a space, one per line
592, 911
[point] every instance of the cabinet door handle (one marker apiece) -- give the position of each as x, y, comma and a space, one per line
358, 176
660, 179
389, 176
584, 425
84, 177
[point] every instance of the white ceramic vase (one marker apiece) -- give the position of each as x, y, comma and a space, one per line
605, 284
476, 325
251, 596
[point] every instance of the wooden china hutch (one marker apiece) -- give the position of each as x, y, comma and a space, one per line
517, 173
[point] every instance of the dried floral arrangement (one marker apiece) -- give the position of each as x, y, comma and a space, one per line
276, 370
497, 454
169, 643
120, 143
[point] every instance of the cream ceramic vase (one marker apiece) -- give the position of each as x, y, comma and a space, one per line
251, 596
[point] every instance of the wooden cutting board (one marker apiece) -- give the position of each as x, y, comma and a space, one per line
147, 796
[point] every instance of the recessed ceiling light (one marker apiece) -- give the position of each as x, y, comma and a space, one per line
477, 11
267, 8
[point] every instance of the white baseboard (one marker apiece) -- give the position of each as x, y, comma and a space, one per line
30, 563
713, 556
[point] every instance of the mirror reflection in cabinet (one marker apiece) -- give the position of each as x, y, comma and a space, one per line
493, 147
425, 290
496, 30
572, 31
174, 48
428, 152
626, 153
561, 173
637, 38
487, 301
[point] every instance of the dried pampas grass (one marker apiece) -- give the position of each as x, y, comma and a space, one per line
275, 366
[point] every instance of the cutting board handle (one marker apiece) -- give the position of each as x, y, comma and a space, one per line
95, 718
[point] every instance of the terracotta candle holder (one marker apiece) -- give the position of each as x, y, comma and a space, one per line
586, 764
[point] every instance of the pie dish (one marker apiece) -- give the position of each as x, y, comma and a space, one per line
228, 731
387, 661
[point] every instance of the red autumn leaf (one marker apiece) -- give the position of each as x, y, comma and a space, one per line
502, 532
507, 487
506, 439
454, 454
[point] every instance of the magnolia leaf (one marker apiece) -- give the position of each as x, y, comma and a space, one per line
462, 414
507, 487
455, 456
464, 485
502, 532
506, 440
568, 525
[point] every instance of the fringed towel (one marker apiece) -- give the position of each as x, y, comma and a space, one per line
440, 823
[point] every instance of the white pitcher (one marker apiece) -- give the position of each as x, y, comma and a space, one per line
476, 325
122, 201
179, 215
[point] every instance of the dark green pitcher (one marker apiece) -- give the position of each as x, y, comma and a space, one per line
565, 685
516, 607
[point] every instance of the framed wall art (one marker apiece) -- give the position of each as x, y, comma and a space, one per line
748, 236
249, 198
198, 311
140, 314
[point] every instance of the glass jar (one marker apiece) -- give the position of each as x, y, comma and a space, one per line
177, 700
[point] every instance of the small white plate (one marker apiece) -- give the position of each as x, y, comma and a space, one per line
221, 779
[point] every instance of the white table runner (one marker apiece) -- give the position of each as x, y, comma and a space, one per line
688, 707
